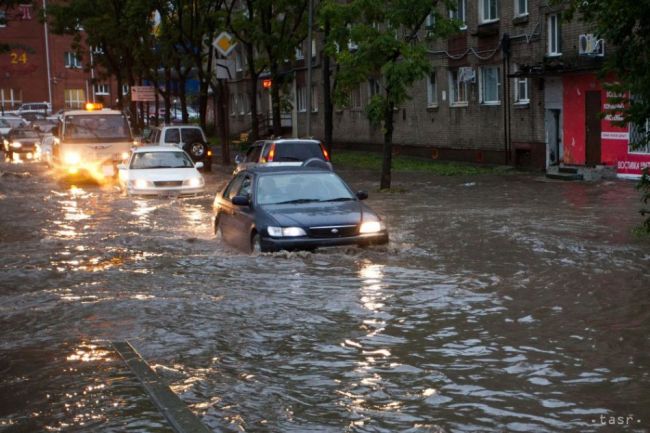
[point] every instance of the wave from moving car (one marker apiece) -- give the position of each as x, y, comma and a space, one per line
156, 170
287, 208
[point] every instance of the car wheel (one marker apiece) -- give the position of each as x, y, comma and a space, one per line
197, 150
256, 243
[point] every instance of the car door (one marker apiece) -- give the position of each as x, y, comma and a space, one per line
243, 217
226, 209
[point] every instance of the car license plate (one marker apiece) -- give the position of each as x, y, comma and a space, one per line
108, 170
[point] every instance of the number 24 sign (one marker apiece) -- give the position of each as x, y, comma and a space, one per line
18, 58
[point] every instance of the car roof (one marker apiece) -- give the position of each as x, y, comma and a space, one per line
142, 149
292, 169
92, 112
285, 140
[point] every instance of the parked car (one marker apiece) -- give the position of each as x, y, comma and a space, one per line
14, 121
285, 208
5, 127
190, 138
293, 151
43, 108
22, 143
154, 170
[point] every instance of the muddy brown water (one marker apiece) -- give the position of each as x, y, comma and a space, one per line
503, 303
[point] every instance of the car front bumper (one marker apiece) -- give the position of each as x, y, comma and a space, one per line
166, 190
302, 243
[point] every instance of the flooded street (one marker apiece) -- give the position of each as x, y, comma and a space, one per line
502, 303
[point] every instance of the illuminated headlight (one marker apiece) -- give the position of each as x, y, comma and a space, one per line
72, 158
124, 155
371, 227
194, 182
279, 232
16, 144
141, 184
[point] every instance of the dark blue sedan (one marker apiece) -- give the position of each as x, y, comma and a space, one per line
287, 208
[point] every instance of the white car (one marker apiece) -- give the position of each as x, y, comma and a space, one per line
160, 170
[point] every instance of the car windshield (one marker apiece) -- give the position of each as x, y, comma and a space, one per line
148, 160
25, 133
97, 127
301, 188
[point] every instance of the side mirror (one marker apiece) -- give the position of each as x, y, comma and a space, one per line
198, 165
362, 195
239, 159
240, 200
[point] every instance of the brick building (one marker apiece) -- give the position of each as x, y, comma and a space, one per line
517, 84
41, 66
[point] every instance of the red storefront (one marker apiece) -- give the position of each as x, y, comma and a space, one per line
590, 139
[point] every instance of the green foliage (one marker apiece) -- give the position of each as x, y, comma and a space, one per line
372, 161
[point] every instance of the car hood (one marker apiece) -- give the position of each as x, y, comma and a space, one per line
163, 174
316, 214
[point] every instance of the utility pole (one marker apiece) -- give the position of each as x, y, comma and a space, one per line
310, 20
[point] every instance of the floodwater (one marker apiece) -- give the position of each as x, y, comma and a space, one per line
502, 303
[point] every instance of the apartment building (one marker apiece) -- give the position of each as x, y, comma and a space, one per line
40, 66
517, 85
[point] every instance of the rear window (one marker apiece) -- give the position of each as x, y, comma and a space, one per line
191, 135
297, 151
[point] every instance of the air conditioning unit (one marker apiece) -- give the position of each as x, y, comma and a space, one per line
466, 74
590, 45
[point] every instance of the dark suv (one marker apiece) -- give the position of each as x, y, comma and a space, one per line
283, 151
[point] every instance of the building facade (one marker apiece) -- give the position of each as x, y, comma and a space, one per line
42, 67
517, 84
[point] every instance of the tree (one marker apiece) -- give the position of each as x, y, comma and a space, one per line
625, 25
380, 41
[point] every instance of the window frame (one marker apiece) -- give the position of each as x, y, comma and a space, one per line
518, 100
74, 103
432, 90
460, 13
554, 37
71, 61
482, 7
454, 86
518, 11
483, 87
301, 99
102, 89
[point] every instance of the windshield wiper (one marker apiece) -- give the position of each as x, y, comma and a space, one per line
299, 200
339, 199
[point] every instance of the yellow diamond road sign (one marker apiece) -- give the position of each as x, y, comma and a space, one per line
224, 43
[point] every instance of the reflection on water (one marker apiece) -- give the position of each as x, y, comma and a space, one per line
510, 305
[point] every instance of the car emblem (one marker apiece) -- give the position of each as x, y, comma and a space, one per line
335, 231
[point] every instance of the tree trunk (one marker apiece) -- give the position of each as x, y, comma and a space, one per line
388, 145
252, 93
168, 93
222, 114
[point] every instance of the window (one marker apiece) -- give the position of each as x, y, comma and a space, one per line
172, 136
3, 19
74, 98
314, 99
243, 103
373, 87
457, 90
125, 89
430, 21
432, 90
233, 105
102, 89
355, 98
458, 14
488, 11
10, 98
521, 7
313, 49
554, 48
71, 60
521, 90
238, 64
299, 53
490, 85
639, 133
301, 99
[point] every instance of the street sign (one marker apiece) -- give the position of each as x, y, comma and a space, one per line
143, 93
224, 43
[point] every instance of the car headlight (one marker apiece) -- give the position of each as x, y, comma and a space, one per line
124, 155
72, 158
140, 183
16, 144
371, 227
279, 232
194, 182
